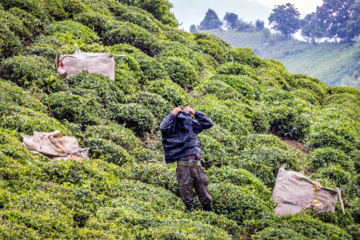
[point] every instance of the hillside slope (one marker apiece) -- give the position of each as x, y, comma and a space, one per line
125, 190
332, 63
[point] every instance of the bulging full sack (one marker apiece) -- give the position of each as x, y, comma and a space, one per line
293, 192
101, 63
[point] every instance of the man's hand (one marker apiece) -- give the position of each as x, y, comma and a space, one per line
189, 109
176, 111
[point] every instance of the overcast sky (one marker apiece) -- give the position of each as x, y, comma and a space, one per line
193, 11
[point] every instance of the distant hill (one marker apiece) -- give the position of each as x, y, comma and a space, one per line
335, 64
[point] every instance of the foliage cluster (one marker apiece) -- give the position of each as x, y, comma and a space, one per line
125, 191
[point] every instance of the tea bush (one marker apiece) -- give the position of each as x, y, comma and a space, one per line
213, 153
288, 118
73, 108
245, 56
323, 157
233, 121
95, 86
26, 70
245, 85
301, 224
76, 29
108, 150
170, 91
331, 128
264, 162
233, 68
336, 174
159, 107
133, 116
218, 88
211, 48
239, 177
152, 69
134, 35
125, 190
181, 72
245, 204
116, 133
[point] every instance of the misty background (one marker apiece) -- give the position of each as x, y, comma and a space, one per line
193, 11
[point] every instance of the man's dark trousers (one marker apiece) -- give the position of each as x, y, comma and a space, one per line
190, 178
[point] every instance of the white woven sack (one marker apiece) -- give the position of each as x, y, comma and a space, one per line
101, 63
293, 191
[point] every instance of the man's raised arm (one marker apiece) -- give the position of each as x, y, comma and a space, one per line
202, 121
167, 125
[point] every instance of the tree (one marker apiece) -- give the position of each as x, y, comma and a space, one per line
243, 26
286, 19
230, 20
259, 25
353, 25
332, 17
211, 21
311, 27
193, 29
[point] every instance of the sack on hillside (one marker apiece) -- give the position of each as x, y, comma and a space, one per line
101, 63
294, 192
54, 145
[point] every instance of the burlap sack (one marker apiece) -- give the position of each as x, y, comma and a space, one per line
293, 191
101, 63
54, 145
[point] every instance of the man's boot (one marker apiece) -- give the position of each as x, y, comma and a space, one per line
207, 208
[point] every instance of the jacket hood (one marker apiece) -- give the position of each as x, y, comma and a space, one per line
184, 120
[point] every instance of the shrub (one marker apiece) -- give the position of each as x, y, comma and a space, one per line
10, 44
228, 140
288, 118
225, 116
152, 69
134, 35
264, 162
95, 86
245, 56
133, 116
27, 121
170, 91
323, 157
159, 107
301, 224
76, 29
354, 231
26, 70
218, 88
332, 128
12, 94
96, 21
221, 43
238, 177
116, 133
108, 150
245, 85
73, 108
233, 68
253, 141
181, 72
336, 174
213, 153
140, 20
244, 203
211, 48
276, 233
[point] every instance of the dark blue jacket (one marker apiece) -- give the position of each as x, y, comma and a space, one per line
179, 134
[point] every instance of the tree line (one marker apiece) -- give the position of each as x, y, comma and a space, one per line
334, 19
